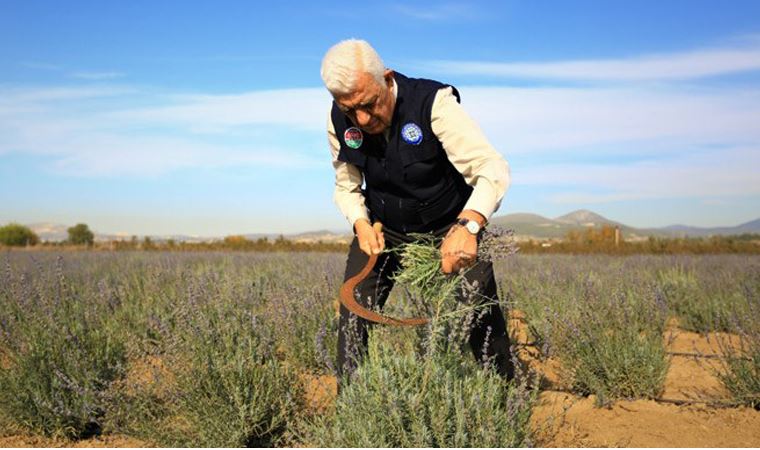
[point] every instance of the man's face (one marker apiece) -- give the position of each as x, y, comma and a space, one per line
370, 106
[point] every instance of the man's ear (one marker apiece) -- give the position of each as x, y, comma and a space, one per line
388, 75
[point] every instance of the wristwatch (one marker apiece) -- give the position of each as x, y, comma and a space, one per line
472, 226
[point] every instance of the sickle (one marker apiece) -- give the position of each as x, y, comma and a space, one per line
348, 300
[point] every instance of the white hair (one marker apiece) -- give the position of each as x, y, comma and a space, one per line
345, 61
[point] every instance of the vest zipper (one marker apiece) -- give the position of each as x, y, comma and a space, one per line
403, 226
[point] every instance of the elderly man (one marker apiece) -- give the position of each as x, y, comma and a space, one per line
427, 168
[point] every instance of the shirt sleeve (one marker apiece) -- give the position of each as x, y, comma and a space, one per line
348, 182
470, 152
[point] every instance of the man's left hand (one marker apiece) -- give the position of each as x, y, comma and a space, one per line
460, 247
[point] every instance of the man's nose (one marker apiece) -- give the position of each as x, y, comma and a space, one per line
362, 117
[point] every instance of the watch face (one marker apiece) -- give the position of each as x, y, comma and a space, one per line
473, 227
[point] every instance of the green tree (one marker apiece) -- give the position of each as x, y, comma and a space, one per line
80, 234
148, 243
17, 235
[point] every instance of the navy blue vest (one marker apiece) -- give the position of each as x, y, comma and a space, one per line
410, 184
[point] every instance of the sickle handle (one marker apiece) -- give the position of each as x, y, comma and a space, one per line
348, 300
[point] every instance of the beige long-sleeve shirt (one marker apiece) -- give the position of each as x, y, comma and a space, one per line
466, 146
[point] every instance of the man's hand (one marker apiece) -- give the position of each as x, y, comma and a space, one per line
459, 248
371, 239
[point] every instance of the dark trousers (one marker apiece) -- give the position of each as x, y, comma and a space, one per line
374, 291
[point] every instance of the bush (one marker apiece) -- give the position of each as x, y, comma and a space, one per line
234, 392
699, 309
741, 374
612, 345
305, 322
742, 378
225, 386
15, 235
61, 356
397, 399
428, 393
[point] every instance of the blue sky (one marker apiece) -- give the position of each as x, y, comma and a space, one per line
148, 117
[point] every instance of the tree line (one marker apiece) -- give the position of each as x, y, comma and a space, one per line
80, 235
591, 240
603, 240
17, 235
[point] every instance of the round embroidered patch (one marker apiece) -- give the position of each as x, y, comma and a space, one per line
411, 133
353, 137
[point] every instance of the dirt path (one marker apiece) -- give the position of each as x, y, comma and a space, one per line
564, 420
24, 441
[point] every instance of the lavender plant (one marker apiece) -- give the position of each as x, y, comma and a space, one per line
143, 343
233, 391
229, 386
60, 353
397, 399
611, 345
699, 307
741, 367
400, 397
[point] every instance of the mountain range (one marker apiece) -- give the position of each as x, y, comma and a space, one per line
525, 225
535, 226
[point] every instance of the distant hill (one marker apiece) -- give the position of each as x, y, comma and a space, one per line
685, 230
585, 218
325, 236
58, 232
525, 225
535, 226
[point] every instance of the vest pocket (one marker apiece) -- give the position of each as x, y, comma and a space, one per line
450, 203
415, 153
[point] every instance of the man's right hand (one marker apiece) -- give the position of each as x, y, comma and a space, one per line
371, 239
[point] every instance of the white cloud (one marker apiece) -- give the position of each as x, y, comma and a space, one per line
303, 109
123, 155
671, 131
712, 173
685, 65
96, 75
93, 131
613, 120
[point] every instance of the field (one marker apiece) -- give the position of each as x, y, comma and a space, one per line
238, 349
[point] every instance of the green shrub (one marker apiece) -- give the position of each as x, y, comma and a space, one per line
305, 323
612, 345
15, 235
439, 397
701, 303
742, 378
227, 390
397, 399
234, 391
741, 368
61, 356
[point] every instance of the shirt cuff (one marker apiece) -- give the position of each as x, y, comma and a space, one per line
482, 202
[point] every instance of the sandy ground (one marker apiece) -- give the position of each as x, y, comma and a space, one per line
21, 441
561, 419
564, 420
